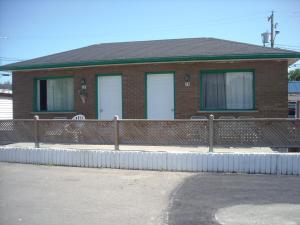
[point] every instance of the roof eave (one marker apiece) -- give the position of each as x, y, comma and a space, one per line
292, 57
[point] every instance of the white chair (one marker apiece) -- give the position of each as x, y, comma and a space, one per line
65, 127
75, 128
78, 125
79, 117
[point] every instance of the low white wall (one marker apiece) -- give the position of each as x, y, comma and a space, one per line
259, 163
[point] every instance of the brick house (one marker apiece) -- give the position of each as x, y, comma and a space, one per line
162, 79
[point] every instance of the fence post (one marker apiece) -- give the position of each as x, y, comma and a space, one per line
116, 118
36, 131
211, 132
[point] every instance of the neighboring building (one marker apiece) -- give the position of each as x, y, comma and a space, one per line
6, 104
163, 79
294, 99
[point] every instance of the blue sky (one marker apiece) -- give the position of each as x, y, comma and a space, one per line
34, 28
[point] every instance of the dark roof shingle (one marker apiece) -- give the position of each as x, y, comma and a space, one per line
173, 48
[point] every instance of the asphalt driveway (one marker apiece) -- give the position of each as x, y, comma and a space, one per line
233, 199
31, 194
52, 195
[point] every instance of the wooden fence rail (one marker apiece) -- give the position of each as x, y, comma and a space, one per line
261, 132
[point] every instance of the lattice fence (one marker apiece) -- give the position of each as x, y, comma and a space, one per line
236, 133
16, 131
257, 132
155, 132
76, 132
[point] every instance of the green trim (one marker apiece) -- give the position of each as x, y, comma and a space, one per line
145, 97
226, 71
97, 98
159, 72
174, 86
222, 72
254, 89
97, 90
54, 77
53, 112
145, 89
153, 60
60, 111
228, 110
200, 94
36, 79
34, 105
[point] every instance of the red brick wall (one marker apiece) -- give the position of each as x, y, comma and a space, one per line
271, 88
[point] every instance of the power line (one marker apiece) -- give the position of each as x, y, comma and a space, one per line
224, 20
295, 65
3, 57
287, 48
10, 59
296, 46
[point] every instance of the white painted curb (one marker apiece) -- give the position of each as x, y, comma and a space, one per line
256, 163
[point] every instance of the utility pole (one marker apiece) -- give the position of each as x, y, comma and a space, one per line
272, 28
274, 32
267, 36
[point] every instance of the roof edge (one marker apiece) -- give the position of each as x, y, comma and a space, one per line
153, 60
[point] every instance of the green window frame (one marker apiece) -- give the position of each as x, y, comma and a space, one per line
208, 72
36, 94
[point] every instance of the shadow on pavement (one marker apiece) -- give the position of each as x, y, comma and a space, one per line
197, 199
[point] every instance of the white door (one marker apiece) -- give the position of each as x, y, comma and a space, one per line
109, 97
160, 96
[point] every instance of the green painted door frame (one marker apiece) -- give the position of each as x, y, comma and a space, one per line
145, 89
97, 90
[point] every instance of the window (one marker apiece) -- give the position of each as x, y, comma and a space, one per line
292, 109
227, 90
55, 94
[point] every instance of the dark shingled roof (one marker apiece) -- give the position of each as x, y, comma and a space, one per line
154, 51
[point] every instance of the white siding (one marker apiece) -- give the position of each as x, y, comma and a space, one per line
6, 109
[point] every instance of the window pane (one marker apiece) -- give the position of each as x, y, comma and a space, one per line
292, 109
42, 95
38, 100
239, 90
214, 96
55, 94
60, 94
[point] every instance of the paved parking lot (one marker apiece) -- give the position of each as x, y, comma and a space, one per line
233, 199
51, 195
32, 194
